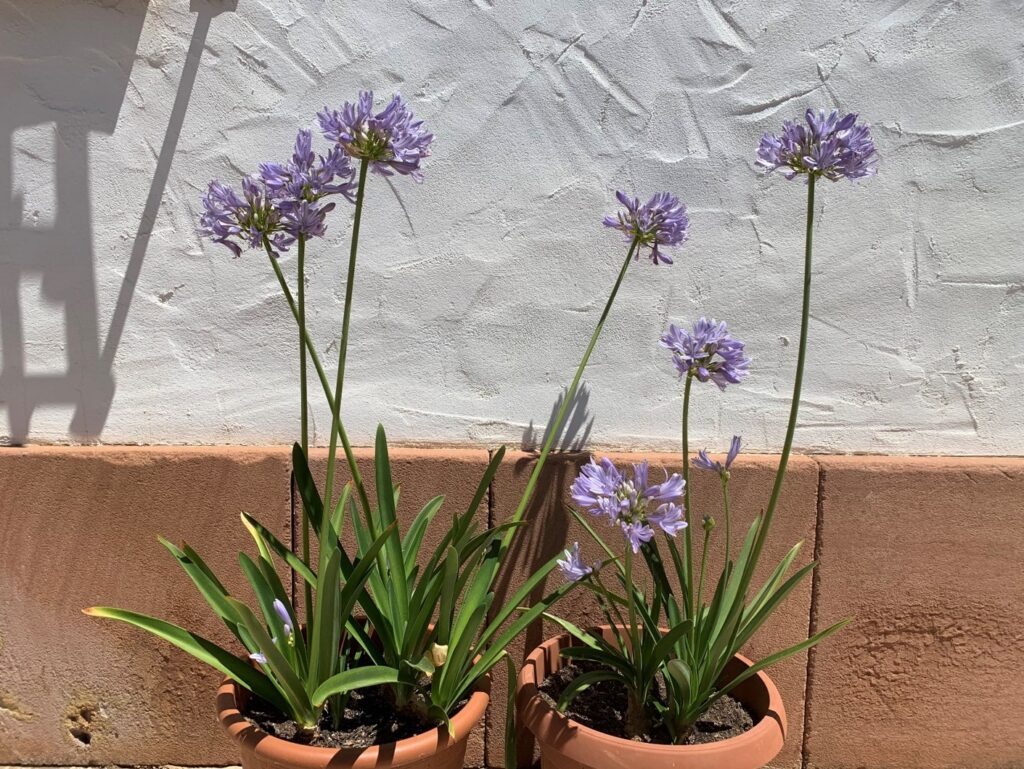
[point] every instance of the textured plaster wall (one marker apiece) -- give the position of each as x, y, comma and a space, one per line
477, 290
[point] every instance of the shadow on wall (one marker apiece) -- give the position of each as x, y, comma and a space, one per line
575, 432
67, 67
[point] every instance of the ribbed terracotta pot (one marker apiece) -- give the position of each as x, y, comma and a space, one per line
566, 744
431, 750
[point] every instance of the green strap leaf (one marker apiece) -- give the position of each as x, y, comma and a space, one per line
265, 598
413, 539
448, 580
202, 649
208, 585
575, 631
663, 648
581, 682
266, 541
615, 660
312, 504
511, 746
326, 641
393, 550
357, 678
778, 657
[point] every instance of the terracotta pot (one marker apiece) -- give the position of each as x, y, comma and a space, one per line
431, 750
566, 744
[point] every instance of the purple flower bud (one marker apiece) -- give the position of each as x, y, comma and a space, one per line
669, 518
734, 450
258, 657
703, 462
572, 565
636, 534
286, 619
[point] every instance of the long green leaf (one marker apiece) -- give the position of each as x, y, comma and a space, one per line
326, 641
312, 504
574, 630
208, 585
616, 661
778, 657
774, 579
202, 649
413, 539
512, 604
581, 682
450, 576
660, 653
356, 678
393, 549
265, 597
265, 539
511, 746
751, 623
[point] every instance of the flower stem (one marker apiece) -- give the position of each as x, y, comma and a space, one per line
634, 631
728, 527
304, 400
343, 346
563, 410
318, 366
687, 537
795, 406
703, 567
303, 394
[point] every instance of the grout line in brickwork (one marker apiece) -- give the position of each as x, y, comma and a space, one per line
812, 618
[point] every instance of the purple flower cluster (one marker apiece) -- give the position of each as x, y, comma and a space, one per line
307, 177
234, 220
602, 489
392, 140
829, 145
707, 352
285, 201
661, 221
703, 462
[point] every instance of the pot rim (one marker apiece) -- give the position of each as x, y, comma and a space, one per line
272, 748
543, 720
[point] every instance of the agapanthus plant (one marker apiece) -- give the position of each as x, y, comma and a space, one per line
306, 674
431, 628
674, 635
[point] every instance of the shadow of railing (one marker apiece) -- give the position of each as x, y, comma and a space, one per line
70, 66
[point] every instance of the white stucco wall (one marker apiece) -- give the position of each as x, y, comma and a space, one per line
478, 289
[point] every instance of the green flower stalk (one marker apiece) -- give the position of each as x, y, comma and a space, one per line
700, 638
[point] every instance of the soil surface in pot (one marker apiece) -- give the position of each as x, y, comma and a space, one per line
370, 719
602, 707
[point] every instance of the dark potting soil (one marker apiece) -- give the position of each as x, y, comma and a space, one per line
369, 719
602, 707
